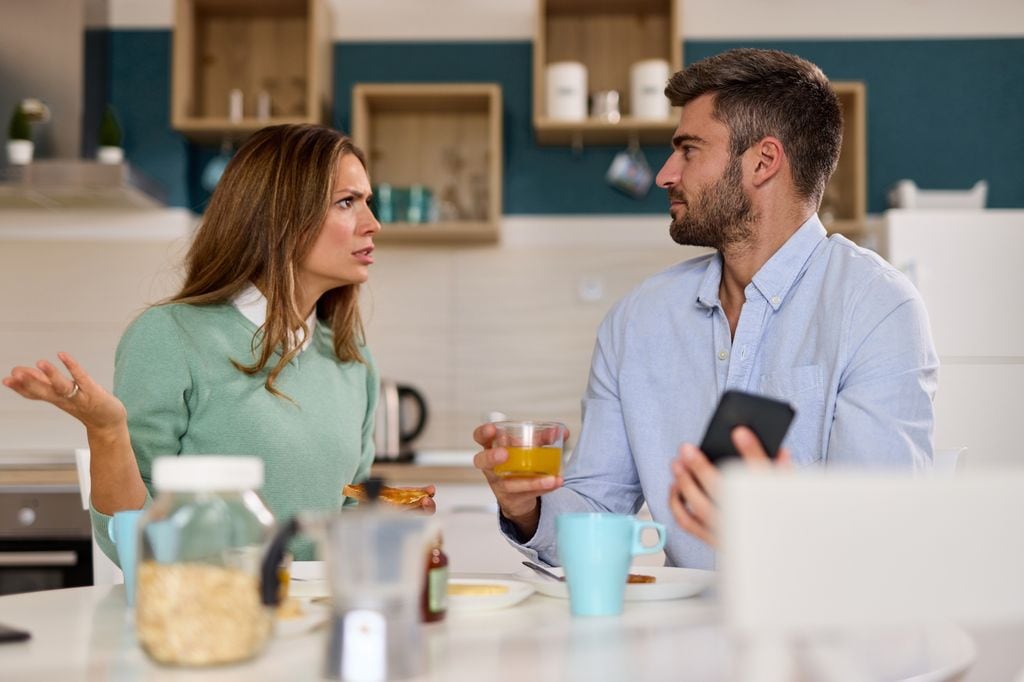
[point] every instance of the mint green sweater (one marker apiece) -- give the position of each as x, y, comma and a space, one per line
173, 373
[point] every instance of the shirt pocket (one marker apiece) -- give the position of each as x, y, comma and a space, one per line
803, 388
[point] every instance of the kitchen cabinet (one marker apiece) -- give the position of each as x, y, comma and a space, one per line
607, 37
277, 51
442, 141
844, 203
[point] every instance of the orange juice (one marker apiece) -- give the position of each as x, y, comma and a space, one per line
534, 460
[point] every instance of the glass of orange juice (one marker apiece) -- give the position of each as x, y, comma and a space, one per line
534, 447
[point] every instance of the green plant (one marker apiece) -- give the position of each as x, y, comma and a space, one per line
110, 129
19, 128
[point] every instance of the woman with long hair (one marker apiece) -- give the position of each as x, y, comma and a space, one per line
262, 351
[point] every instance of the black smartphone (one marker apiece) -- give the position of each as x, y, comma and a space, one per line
768, 418
9, 634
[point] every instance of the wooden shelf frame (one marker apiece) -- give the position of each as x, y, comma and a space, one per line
407, 128
586, 31
846, 195
222, 44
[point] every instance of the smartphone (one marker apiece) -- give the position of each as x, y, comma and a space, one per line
768, 418
9, 634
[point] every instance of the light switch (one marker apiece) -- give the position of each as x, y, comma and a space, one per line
590, 289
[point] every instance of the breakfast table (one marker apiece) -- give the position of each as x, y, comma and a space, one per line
87, 633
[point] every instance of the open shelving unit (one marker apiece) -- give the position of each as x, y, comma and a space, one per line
280, 47
445, 137
844, 205
606, 36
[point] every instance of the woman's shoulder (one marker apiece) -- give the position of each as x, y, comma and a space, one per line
166, 323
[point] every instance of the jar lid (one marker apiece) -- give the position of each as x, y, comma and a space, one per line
207, 473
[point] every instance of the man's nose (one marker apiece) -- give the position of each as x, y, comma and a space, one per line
668, 176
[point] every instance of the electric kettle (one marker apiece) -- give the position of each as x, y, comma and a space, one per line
401, 417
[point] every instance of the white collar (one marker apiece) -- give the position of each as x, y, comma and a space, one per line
253, 305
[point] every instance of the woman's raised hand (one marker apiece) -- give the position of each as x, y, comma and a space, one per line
79, 396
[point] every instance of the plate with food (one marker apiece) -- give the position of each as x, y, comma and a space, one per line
645, 583
399, 497
480, 594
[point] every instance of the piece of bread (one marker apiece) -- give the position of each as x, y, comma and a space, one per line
400, 497
637, 578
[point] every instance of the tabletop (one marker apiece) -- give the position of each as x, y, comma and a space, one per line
87, 634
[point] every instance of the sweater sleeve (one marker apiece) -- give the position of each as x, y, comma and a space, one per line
153, 379
367, 450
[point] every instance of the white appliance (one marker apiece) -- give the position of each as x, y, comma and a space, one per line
966, 264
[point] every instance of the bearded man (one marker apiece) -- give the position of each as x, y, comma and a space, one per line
780, 308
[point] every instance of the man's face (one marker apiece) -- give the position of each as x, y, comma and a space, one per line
708, 204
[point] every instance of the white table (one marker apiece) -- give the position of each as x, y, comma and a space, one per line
86, 634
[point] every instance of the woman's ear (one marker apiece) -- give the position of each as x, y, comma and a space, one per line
767, 157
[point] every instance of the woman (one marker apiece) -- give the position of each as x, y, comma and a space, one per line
262, 350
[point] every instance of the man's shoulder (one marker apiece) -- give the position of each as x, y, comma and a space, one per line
859, 270
684, 276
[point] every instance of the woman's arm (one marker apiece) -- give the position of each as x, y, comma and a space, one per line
113, 471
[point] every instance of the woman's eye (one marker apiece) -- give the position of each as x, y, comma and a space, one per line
347, 202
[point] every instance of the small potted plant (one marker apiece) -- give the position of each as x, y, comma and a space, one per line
19, 138
110, 150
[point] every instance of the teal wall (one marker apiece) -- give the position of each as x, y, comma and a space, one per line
945, 113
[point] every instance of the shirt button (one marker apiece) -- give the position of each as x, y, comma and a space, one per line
775, 300
722, 355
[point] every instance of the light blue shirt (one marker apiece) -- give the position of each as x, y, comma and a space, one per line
827, 326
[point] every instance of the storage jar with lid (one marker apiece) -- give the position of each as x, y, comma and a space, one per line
200, 547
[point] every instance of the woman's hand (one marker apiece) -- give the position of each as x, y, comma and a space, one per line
427, 505
80, 396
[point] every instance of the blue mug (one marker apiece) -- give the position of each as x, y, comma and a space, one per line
123, 532
596, 549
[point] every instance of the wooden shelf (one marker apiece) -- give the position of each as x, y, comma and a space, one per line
281, 47
445, 137
606, 36
844, 205
595, 132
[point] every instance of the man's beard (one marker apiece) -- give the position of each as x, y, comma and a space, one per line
718, 215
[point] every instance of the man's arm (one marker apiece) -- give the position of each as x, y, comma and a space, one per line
884, 414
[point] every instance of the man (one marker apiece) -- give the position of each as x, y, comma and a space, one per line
778, 309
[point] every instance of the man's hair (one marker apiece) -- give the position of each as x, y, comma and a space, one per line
759, 93
262, 221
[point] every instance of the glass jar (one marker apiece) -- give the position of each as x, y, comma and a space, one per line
434, 601
198, 578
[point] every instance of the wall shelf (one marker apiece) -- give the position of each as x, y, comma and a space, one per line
844, 205
281, 47
606, 36
445, 137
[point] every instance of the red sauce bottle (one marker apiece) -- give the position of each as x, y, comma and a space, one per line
434, 603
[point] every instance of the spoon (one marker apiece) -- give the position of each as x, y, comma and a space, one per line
543, 571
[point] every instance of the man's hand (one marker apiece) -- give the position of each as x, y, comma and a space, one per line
518, 497
692, 494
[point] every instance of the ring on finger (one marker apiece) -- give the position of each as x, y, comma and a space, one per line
73, 392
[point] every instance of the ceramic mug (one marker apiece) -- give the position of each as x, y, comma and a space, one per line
596, 549
123, 532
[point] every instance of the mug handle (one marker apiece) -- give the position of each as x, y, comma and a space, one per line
638, 546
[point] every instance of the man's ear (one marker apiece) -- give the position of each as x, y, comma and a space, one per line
767, 158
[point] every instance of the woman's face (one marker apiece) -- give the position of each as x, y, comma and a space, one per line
343, 251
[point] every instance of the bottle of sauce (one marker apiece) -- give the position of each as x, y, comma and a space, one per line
435, 588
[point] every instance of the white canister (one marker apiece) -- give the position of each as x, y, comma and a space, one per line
567, 91
647, 81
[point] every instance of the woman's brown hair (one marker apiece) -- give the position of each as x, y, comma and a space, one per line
261, 222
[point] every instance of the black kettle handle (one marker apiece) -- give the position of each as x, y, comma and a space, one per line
421, 422
270, 580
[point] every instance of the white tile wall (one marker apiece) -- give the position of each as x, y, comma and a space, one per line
476, 329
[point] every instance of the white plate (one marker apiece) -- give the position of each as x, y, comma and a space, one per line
670, 583
515, 592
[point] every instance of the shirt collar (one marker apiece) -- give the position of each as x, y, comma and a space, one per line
776, 277
251, 302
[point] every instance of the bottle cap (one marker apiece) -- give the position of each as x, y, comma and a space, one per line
207, 473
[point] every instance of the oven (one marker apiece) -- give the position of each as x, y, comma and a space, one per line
45, 538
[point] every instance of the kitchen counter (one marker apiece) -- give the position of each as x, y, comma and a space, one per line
88, 633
